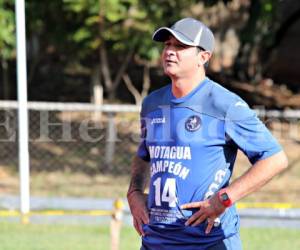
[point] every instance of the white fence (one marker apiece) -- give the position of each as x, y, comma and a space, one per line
101, 138
74, 126
97, 133
117, 108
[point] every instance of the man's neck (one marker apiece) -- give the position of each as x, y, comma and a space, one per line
183, 86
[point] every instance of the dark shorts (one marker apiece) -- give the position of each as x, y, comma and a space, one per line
231, 243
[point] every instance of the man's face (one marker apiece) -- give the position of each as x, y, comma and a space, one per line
178, 59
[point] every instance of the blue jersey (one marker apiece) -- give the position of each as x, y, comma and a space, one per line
191, 144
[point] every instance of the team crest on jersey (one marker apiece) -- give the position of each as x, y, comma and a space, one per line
193, 123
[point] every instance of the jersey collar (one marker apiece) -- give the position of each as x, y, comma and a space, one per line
201, 87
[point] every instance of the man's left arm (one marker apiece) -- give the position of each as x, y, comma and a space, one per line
251, 136
252, 180
257, 176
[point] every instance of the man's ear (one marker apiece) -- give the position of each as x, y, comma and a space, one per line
204, 57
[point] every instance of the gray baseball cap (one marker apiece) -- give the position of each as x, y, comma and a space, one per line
189, 31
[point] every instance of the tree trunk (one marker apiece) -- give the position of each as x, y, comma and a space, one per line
34, 57
5, 75
97, 92
132, 89
249, 41
146, 85
104, 65
106, 72
110, 84
146, 81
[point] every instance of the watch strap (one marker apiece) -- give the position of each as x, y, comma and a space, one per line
224, 198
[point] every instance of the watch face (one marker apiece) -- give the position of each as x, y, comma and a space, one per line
225, 197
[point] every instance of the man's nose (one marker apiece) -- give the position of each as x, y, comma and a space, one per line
169, 50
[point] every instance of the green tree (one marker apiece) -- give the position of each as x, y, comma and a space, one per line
109, 40
257, 37
116, 29
7, 42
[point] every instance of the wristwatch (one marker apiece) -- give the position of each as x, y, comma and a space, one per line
224, 198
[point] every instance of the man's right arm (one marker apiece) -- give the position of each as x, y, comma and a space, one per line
135, 195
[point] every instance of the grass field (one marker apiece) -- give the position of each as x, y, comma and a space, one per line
15, 236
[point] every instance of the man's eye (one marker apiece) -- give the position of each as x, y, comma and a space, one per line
181, 46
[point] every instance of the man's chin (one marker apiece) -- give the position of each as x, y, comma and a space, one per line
169, 73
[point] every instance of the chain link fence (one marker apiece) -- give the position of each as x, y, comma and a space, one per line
87, 138
84, 150
75, 137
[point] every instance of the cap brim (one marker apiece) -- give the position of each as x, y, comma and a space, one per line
162, 34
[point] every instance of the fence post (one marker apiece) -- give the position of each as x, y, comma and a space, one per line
25, 218
116, 224
110, 140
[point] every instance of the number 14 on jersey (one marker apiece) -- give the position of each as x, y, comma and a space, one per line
167, 193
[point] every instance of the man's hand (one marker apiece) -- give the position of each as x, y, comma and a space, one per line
137, 203
135, 196
209, 209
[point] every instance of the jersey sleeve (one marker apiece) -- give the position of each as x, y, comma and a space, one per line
248, 132
142, 151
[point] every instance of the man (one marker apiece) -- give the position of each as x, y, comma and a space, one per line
191, 131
